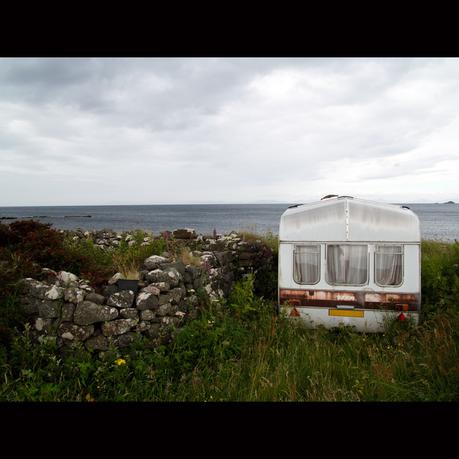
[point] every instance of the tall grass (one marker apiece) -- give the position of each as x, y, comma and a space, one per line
242, 351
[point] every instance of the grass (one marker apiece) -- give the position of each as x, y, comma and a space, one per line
241, 350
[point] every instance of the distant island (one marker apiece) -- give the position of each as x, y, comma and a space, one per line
449, 202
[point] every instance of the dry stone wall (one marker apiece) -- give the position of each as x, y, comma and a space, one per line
168, 294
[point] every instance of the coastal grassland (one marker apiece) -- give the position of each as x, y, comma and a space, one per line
241, 350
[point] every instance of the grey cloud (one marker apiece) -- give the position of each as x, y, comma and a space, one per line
236, 126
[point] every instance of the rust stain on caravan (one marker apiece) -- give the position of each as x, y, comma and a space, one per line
364, 300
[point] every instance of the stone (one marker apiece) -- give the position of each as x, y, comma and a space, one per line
164, 298
74, 295
75, 332
110, 290
115, 278
87, 313
49, 309
151, 289
66, 278
67, 311
172, 321
162, 286
147, 314
157, 275
184, 233
42, 324
97, 343
166, 309
176, 294
118, 327
195, 272
174, 277
129, 313
29, 305
147, 300
178, 265
153, 330
34, 288
124, 340
142, 326
154, 262
95, 298
123, 299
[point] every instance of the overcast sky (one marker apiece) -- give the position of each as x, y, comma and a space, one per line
160, 131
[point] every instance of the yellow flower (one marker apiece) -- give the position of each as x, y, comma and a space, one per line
89, 398
120, 362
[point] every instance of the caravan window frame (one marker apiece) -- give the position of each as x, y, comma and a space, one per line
402, 247
367, 281
319, 267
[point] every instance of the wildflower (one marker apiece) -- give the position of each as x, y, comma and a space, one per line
120, 362
90, 398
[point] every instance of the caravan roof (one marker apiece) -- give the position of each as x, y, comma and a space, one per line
349, 219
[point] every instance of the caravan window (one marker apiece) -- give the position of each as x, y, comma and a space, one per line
347, 264
306, 264
388, 264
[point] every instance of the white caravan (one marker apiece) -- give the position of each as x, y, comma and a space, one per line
349, 261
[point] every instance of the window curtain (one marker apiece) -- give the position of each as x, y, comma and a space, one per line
306, 264
347, 264
388, 265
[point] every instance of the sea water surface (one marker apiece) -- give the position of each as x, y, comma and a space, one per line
438, 221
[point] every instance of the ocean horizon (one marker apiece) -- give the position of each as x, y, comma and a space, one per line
439, 221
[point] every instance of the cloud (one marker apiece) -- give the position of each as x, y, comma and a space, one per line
95, 131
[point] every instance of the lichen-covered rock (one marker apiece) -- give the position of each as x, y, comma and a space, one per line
54, 293
166, 310
177, 294
129, 313
153, 330
164, 298
178, 265
171, 321
74, 295
95, 298
154, 262
142, 326
67, 312
73, 332
123, 299
49, 309
147, 314
66, 278
146, 300
174, 277
151, 289
97, 343
33, 288
162, 286
109, 290
157, 275
124, 340
118, 327
87, 313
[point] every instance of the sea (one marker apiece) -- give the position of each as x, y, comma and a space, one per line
438, 221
